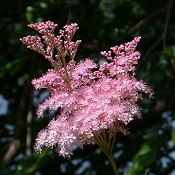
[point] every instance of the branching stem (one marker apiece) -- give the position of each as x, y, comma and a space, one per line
106, 145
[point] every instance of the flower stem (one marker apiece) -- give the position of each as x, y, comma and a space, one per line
112, 161
67, 75
106, 146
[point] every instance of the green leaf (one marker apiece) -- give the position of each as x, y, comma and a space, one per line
173, 136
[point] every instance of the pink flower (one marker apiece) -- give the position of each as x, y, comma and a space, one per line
89, 101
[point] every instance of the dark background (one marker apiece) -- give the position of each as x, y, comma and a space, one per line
150, 146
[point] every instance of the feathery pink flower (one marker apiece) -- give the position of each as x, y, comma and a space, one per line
90, 100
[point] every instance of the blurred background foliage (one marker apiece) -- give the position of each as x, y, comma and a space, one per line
150, 146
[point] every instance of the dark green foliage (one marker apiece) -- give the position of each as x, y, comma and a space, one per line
149, 148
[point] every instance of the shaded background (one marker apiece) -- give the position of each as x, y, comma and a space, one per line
150, 146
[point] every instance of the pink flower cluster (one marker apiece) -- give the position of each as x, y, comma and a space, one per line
90, 98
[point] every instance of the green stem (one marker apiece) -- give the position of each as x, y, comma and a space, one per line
106, 146
112, 161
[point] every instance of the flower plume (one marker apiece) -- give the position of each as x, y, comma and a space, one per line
90, 100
